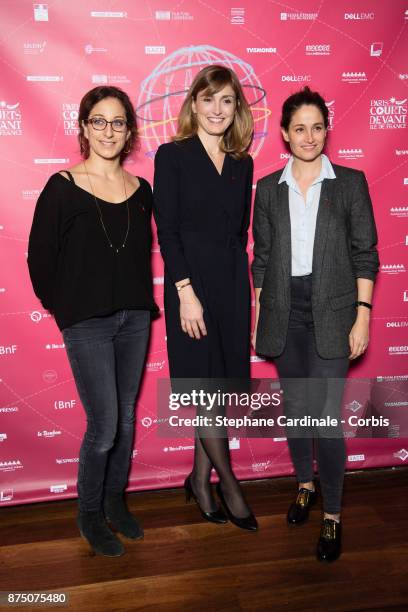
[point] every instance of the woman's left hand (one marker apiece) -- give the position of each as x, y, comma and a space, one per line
359, 337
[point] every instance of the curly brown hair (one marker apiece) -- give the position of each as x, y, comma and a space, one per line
87, 103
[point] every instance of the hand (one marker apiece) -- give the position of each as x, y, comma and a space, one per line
191, 314
258, 292
253, 337
359, 337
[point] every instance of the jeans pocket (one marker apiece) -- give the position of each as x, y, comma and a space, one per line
89, 330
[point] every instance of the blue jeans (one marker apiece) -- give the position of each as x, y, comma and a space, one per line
107, 357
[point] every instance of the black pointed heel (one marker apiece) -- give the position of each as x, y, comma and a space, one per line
217, 516
248, 522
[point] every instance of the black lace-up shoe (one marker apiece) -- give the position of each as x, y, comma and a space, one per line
329, 543
298, 512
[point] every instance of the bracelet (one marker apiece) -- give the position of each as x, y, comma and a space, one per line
366, 304
180, 287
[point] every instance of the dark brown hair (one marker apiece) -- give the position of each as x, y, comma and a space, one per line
303, 97
211, 80
88, 102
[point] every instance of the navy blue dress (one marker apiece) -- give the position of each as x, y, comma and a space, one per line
202, 219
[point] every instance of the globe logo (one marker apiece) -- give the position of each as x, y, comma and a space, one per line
36, 316
163, 91
147, 422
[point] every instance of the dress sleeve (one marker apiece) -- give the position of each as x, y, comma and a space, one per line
248, 201
166, 210
43, 245
363, 232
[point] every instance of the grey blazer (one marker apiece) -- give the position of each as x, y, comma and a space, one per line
344, 249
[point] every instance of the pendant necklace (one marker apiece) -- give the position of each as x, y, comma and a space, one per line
122, 246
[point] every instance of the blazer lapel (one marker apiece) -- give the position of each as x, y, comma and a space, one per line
284, 236
321, 233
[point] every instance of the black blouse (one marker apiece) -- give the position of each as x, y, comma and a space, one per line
74, 271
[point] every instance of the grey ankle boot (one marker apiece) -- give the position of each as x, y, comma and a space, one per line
94, 529
118, 515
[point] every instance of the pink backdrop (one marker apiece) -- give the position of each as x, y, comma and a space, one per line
354, 52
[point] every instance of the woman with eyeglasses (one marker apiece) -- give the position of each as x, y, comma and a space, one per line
89, 262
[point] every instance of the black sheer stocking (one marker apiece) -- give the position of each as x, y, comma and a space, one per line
200, 478
212, 451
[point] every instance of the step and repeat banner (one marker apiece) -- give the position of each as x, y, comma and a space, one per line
354, 52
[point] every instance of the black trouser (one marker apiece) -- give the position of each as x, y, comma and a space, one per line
312, 386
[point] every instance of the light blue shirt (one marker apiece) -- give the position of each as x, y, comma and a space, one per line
303, 215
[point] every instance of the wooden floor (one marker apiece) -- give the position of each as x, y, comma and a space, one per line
185, 564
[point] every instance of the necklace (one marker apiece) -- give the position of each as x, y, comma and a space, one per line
214, 155
122, 246
216, 159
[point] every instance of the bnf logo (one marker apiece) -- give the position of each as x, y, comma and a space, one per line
8, 350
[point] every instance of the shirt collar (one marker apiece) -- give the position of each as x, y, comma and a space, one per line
326, 172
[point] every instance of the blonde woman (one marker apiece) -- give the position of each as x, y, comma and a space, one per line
202, 199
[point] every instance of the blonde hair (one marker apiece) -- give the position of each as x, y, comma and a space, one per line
210, 80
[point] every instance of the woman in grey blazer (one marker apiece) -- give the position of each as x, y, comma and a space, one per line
315, 262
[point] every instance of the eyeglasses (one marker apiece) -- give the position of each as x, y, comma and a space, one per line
99, 123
